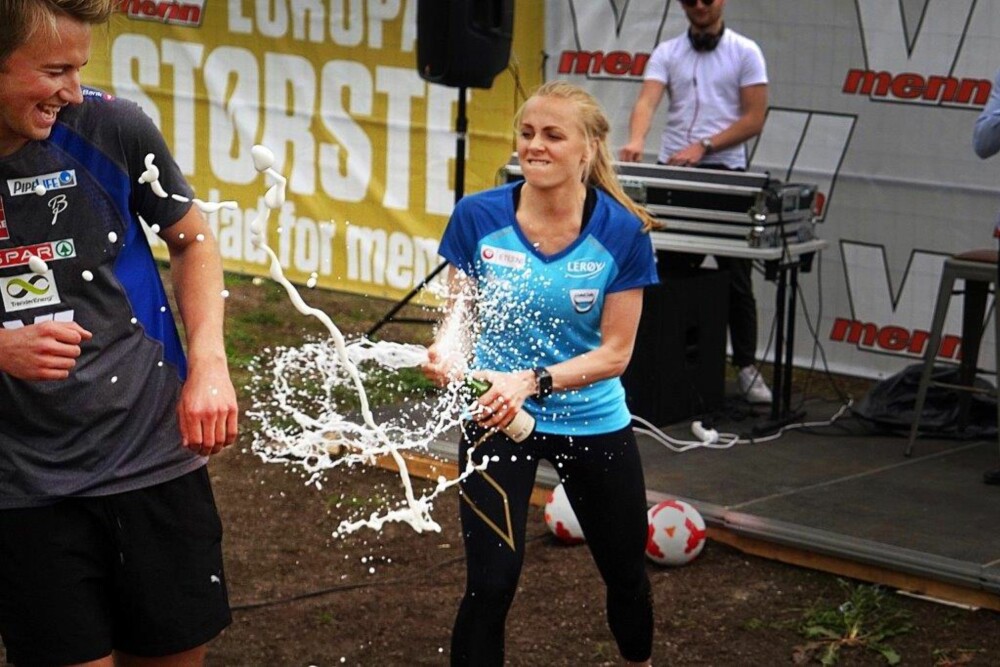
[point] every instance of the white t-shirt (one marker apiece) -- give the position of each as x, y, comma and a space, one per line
704, 91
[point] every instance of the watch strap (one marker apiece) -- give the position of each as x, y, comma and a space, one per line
543, 380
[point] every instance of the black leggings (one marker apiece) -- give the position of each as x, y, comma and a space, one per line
602, 476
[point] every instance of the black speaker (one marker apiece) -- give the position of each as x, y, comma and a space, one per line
463, 43
678, 367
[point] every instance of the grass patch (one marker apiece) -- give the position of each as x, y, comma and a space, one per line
866, 620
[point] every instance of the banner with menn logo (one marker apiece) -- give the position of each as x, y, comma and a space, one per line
875, 102
331, 87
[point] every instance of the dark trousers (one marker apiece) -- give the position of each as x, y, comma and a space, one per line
742, 304
742, 309
602, 476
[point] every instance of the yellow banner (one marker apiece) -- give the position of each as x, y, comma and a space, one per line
332, 88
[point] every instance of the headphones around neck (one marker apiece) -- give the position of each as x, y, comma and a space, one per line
705, 41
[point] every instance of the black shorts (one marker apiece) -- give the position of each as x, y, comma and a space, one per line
138, 572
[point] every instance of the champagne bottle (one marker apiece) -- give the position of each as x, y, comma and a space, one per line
523, 423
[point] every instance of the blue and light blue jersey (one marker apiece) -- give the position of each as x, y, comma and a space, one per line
539, 310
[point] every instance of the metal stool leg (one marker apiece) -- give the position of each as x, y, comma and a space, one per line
940, 312
996, 348
973, 326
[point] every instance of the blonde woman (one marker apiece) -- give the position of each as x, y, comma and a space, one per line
555, 267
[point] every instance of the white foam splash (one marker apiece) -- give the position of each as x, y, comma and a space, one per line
298, 421
368, 440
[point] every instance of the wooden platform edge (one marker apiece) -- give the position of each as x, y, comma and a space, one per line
429, 467
929, 588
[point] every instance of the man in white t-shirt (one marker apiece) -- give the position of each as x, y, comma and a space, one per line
716, 82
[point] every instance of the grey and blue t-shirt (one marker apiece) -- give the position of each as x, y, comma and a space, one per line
73, 201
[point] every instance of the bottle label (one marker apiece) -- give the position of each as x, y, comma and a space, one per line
520, 427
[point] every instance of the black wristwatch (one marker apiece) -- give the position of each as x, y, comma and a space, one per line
544, 380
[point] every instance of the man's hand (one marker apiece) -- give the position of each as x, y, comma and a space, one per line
45, 351
631, 152
207, 411
688, 156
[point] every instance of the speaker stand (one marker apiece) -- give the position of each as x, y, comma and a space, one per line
461, 131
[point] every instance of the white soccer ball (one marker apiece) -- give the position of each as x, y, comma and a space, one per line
676, 533
560, 519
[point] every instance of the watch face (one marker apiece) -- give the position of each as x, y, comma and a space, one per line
544, 380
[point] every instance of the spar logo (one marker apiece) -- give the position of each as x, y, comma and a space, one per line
57, 180
927, 65
28, 290
47, 252
173, 13
626, 35
584, 268
4, 232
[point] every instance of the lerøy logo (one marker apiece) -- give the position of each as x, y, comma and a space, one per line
57, 180
920, 68
165, 11
28, 290
614, 38
584, 268
4, 232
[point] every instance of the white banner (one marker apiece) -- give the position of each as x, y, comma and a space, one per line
873, 100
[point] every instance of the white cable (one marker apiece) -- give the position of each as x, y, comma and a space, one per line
712, 439
681, 446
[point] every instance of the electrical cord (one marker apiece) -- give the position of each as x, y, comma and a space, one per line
273, 602
721, 440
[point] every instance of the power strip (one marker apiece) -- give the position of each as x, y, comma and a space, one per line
706, 435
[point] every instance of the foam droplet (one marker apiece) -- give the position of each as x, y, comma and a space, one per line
262, 156
272, 198
155, 229
88, 276
37, 264
200, 237
112, 237
225, 294
114, 379
40, 190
